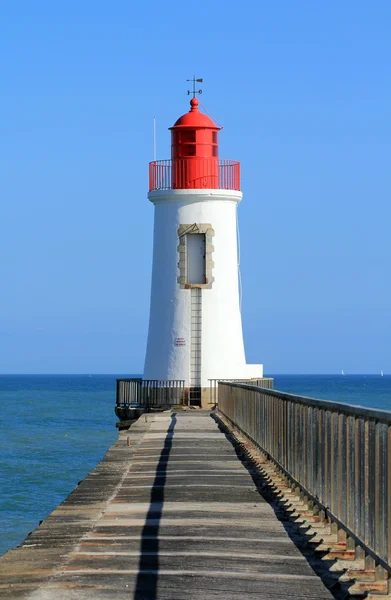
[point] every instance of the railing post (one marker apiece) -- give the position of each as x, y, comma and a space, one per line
118, 399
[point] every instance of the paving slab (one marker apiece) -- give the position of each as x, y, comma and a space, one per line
170, 513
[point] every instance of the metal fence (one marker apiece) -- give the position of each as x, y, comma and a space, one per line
338, 454
265, 382
150, 392
164, 173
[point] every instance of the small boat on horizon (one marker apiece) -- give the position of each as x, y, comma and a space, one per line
381, 374
342, 372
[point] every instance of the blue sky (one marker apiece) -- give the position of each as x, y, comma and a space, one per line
303, 90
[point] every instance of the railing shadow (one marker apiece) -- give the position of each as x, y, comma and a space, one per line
318, 564
148, 570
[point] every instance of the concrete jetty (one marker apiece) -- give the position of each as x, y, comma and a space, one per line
171, 512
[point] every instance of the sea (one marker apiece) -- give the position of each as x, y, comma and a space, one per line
54, 429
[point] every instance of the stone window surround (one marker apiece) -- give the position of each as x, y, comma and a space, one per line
189, 228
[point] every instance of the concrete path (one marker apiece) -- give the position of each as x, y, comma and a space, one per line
175, 515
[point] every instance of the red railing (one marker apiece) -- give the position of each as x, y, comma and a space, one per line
163, 175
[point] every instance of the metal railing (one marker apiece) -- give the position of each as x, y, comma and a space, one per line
265, 382
339, 455
161, 176
150, 392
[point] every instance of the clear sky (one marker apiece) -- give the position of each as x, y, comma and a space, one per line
303, 90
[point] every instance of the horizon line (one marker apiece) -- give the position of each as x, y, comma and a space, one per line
88, 374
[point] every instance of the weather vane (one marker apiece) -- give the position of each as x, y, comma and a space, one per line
194, 92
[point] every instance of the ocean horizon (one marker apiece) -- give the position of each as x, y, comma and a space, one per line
56, 428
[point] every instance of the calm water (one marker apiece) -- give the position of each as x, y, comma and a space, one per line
373, 391
55, 429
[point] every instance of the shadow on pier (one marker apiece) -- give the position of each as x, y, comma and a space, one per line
148, 575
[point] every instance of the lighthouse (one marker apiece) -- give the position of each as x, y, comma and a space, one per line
195, 325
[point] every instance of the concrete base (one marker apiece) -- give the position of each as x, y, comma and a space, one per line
124, 413
206, 398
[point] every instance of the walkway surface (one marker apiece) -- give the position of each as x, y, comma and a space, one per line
175, 515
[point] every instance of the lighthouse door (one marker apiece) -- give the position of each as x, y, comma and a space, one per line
195, 258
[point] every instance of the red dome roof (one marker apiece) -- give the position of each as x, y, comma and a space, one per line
195, 119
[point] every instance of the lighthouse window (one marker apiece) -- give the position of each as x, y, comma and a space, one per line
187, 137
195, 250
189, 150
187, 143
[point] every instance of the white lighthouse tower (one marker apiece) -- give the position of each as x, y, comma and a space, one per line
195, 326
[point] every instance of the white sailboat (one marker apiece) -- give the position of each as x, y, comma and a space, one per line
381, 374
342, 372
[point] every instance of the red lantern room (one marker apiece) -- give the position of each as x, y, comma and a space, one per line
194, 163
194, 151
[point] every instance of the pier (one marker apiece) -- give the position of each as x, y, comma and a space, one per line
268, 496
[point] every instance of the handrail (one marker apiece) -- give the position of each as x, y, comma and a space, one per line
338, 454
161, 174
265, 382
149, 392
349, 409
